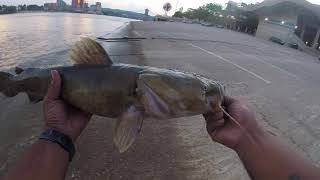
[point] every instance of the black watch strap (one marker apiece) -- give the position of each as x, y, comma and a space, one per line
63, 140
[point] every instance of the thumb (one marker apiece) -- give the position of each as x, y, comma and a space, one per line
218, 135
54, 87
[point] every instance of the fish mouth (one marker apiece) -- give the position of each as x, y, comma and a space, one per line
214, 95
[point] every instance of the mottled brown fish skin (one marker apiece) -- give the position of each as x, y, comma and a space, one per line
101, 90
109, 90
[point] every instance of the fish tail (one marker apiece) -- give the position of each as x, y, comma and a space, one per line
7, 86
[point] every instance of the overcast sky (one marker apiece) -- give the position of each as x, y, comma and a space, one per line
139, 5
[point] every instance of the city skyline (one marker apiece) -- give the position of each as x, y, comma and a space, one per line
139, 5
77, 4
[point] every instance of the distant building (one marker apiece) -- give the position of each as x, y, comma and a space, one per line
147, 17
61, 4
77, 4
81, 4
98, 6
93, 8
50, 7
292, 21
86, 6
74, 4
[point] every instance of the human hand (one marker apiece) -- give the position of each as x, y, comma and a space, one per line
224, 130
61, 116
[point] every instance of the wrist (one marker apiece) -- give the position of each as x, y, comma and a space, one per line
60, 139
250, 138
52, 147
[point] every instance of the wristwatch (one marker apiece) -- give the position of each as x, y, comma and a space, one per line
63, 140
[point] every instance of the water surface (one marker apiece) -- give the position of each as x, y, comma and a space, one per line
44, 39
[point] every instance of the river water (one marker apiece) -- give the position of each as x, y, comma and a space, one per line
44, 39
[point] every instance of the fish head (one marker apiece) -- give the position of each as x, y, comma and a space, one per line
171, 95
214, 93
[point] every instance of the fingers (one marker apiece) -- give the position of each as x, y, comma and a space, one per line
54, 87
212, 126
214, 120
213, 103
213, 116
214, 106
227, 101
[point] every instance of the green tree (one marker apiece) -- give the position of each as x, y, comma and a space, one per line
8, 9
243, 5
178, 14
34, 7
189, 13
213, 8
11, 9
205, 12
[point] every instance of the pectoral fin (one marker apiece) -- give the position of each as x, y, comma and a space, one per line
127, 128
154, 105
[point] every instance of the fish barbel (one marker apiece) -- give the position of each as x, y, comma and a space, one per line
129, 93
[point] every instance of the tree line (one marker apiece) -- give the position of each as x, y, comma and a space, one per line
211, 9
202, 13
7, 9
232, 16
31, 7
13, 9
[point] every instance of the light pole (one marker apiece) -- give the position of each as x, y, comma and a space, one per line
177, 5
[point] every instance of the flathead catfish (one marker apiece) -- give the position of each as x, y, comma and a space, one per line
129, 93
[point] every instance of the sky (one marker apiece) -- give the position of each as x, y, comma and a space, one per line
139, 5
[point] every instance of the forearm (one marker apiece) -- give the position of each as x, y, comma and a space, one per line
45, 160
266, 158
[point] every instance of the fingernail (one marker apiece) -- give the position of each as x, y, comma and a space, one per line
53, 76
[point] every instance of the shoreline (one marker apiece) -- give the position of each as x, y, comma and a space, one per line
72, 12
122, 49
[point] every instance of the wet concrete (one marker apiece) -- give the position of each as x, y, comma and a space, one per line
281, 85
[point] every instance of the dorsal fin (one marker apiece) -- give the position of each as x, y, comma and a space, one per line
18, 70
88, 51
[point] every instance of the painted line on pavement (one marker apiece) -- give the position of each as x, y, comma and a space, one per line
166, 34
228, 61
137, 33
267, 63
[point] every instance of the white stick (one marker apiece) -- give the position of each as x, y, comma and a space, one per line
229, 116
237, 123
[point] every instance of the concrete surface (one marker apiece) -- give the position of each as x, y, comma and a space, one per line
281, 85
